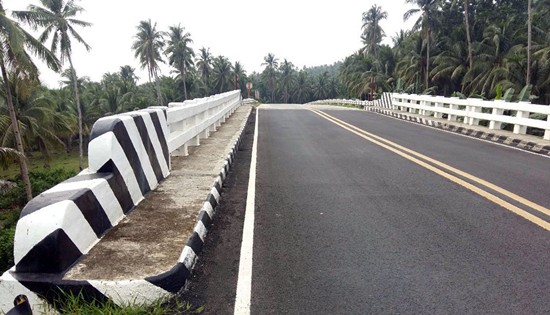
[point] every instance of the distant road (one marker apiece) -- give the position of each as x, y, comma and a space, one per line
346, 226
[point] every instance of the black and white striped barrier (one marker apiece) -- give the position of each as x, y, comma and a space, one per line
128, 156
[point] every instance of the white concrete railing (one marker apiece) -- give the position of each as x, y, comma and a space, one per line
194, 119
471, 111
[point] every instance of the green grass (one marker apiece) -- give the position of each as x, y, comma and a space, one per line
59, 159
71, 304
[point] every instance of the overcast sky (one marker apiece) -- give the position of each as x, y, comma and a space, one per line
307, 33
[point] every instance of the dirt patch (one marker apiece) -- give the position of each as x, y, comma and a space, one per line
149, 241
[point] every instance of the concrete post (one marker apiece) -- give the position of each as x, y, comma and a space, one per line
518, 128
547, 131
493, 124
452, 117
471, 120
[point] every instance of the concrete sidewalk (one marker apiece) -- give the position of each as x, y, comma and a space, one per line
525, 142
150, 240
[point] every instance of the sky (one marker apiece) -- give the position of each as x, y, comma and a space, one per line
305, 32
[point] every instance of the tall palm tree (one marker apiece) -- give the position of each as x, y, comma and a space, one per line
270, 71
372, 32
320, 91
240, 73
13, 56
58, 19
529, 35
287, 79
148, 46
180, 55
128, 77
204, 65
468, 33
303, 89
222, 74
426, 21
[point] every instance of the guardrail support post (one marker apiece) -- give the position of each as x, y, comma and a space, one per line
521, 129
547, 131
451, 117
471, 120
496, 124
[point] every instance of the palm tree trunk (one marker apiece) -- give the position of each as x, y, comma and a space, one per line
529, 34
428, 60
157, 84
468, 36
184, 78
19, 144
79, 110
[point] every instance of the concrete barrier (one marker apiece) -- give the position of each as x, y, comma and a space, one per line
128, 154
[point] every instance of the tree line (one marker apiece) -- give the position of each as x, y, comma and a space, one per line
34, 118
476, 48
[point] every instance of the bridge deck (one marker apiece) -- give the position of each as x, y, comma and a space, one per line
149, 241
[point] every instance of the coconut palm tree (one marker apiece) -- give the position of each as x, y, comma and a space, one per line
529, 36
426, 21
204, 65
321, 88
494, 65
270, 71
302, 89
240, 73
57, 17
180, 55
222, 74
372, 32
287, 79
148, 46
15, 42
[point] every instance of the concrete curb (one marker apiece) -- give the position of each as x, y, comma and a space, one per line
508, 141
46, 288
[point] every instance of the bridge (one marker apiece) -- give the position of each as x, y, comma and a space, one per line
403, 205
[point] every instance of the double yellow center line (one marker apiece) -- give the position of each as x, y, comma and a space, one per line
446, 170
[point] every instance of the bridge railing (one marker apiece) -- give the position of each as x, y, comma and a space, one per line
470, 111
473, 111
128, 155
191, 120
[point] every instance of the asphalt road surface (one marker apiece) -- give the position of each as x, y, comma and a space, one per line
358, 213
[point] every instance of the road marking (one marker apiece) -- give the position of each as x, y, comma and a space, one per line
463, 135
471, 177
372, 138
244, 282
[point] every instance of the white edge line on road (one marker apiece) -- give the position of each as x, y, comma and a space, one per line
244, 282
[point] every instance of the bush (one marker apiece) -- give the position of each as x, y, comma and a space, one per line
14, 199
6, 248
40, 182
